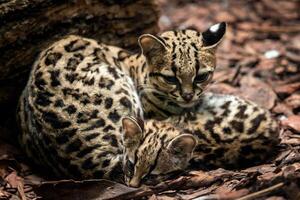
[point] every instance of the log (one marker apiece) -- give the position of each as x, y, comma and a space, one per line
29, 26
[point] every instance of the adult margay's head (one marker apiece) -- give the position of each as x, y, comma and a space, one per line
181, 63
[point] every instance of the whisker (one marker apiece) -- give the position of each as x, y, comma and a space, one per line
211, 85
147, 90
148, 87
144, 86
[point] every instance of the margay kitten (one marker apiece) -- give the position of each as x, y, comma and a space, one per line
79, 91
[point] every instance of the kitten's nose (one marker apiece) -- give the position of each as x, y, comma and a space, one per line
187, 96
134, 182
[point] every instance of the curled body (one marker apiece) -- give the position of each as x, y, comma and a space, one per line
74, 110
73, 117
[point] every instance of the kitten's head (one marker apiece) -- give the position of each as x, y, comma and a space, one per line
153, 148
181, 63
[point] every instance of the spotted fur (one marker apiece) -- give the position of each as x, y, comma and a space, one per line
74, 110
73, 116
231, 132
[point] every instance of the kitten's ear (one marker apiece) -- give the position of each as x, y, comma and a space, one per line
182, 144
132, 131
213, 36
151, 45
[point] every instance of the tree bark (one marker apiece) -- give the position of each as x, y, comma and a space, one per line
29, 26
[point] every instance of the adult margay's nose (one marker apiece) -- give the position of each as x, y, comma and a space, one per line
188, 96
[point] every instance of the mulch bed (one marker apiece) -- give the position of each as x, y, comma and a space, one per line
258, 60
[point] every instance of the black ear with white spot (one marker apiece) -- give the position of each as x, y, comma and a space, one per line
151, 45
213, 36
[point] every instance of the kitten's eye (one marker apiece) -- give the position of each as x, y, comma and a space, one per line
201, 78
130, 168
171, 79
130, 165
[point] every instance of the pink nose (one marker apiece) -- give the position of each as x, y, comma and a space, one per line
187, 96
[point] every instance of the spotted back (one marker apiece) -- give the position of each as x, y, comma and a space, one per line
71, 109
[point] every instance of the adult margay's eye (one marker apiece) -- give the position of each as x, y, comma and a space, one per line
201, 78
171, 79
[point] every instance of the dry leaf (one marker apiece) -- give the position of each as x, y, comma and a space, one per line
275, 198
293, 101
292, 122
200, 178
230, 195
287, 89
89, 189
255, 90
282, 108
153, 197
16, 182
222, 88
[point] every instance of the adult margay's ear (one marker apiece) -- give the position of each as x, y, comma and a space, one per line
151, 45
183, 144
132, 131
213, 36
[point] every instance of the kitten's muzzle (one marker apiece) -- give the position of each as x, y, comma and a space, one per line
135, 181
